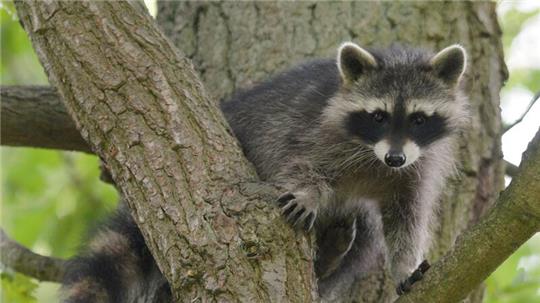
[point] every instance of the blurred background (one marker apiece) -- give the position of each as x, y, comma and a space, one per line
50, 198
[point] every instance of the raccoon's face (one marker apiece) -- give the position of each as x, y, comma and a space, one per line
399, 102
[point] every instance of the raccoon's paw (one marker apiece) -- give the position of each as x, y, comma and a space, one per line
299, 209
416, 276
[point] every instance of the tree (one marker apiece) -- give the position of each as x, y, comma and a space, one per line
234, 45
210, 203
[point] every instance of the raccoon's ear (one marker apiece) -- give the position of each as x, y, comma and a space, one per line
449, 64
353, 61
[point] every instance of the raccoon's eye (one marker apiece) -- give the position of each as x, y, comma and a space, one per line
379, 116
418, 119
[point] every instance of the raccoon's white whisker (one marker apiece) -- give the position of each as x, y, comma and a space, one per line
372, 160
355, 159
371, 163
355, 165
360, 152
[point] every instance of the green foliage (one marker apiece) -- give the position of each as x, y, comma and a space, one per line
50, 199
528, 78
517, 280
17, 288
512, 23
18, 61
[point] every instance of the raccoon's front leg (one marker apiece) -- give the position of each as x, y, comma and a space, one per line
407, 234
307, 193
334, 241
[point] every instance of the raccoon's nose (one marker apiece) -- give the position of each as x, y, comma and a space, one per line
394, 159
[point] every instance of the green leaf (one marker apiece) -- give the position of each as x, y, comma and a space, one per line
17, 288
512, 23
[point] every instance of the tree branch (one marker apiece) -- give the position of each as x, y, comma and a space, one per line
143, 110
480, 250
531, 104
22, 260
34, 116
510, 169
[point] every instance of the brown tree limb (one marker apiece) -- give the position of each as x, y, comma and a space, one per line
141, 107
34, 116
481, 249
21, 259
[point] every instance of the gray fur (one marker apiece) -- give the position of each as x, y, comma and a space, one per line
116, 267
293, 129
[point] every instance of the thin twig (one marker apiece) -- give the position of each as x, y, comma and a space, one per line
531, 104
510, 169
24, 261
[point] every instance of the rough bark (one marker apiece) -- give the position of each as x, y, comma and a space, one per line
34, 116
234, 45
138, 103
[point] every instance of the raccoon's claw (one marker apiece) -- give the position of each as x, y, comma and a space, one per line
416, 276
297, 213
283, 199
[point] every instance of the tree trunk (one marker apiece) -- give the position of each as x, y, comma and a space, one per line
234, 45
143, 110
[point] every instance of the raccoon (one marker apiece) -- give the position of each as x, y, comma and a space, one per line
362, 146
115, 266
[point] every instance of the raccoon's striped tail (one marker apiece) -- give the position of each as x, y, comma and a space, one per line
116, 267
